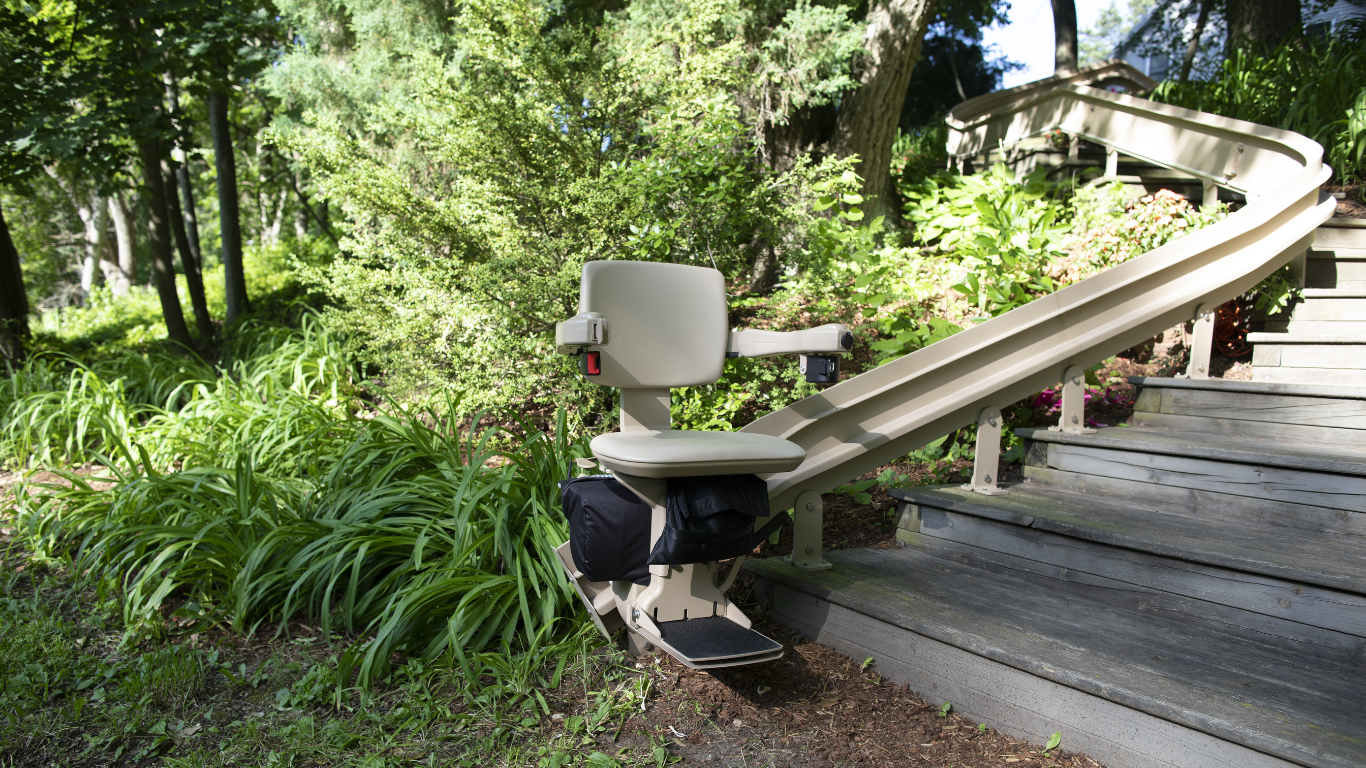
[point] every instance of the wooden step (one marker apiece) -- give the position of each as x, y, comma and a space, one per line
1256, 410
1296, 474
1330, 356
1166, 533
1047, 650
1303, 337
1332, 293
1329, 310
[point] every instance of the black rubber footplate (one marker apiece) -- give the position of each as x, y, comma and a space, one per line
714, 638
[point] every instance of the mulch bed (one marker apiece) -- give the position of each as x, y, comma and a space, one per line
816, 707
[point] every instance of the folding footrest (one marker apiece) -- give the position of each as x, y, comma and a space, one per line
714, 641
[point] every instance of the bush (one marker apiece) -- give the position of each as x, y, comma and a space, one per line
1314, 88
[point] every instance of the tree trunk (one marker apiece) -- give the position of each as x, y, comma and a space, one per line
1264, 24
869, 115
234, 279
163, 258
13, 300
95, 216
1194, 46
182, 175
193, 279
121, 274
1064, 37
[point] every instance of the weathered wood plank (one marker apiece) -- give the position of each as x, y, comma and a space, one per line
1338, 356
1204, 503
1273, 336
1345, 328
1286, 374
1250, 387
1339, 237
1328, 463
1007, 699
1298, 486
1331, 310
1296, 557
1280, 409
1263, 697
1353, 439
1307, 604
1307, 642
1336, 283
1337, 252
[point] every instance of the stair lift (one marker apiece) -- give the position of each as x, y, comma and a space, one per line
643, 328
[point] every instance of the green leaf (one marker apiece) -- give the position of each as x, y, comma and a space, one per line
1053, 741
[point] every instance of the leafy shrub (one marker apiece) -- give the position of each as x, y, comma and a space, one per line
1314, 88
1147, 223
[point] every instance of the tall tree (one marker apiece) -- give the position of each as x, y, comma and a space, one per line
1064, 37
229, 217
869, 115
163, 259
194, 279
1193, 48
1264, 24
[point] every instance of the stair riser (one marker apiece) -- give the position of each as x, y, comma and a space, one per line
1354, 329
1342, 253
1321, 623
1336, 356
1319, 376
1334, 310
1332, 238
1245, 406
1208, 504
1335, 492
1352, 439
1330, 273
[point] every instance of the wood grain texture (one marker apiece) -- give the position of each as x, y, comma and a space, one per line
1250, 387
1208, 504
1289, 375
1152, 535
1331, 310
1269, 408
1011, 701
1332, 325
1350, 439
1335, 356
1339, 237
1330, 464
1266, 698
1336, 492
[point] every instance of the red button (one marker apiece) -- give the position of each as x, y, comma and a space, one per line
592, 363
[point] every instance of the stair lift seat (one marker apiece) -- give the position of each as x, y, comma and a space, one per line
644, 328
685, 453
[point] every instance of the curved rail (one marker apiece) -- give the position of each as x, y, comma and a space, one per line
881, 415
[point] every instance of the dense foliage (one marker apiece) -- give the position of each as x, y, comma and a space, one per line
1316, 88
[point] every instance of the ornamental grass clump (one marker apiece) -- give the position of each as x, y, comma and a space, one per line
274, 492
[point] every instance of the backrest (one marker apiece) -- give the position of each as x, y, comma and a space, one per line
666, 323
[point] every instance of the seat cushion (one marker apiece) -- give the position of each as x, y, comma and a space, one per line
684, 453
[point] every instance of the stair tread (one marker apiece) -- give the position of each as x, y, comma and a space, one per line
1251, 387
1308, 337
1333, 560
1267, 698
1240, 450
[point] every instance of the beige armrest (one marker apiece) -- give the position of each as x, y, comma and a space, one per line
825, 340
585, 330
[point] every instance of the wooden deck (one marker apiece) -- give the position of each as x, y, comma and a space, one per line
1189, 592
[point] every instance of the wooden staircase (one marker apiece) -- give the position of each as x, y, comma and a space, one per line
1188, 591
1324, 341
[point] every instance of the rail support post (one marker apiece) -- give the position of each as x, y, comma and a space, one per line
1073, 419
1211, 194
1202, 344
1111, 162
985, 466
807, 516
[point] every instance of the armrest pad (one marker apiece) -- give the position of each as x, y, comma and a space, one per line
825, 340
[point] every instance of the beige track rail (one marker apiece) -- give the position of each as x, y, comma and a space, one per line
878, 416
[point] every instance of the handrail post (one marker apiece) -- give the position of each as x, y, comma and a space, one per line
1074, 147
1211, 194
1202, 344
987, 461
1073, 419
807, 518
1111, 162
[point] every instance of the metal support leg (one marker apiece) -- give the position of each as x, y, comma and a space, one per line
1074, 147
807, 514
1211, 194
1111, 162
984, 467
1203, 343
1073, 420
